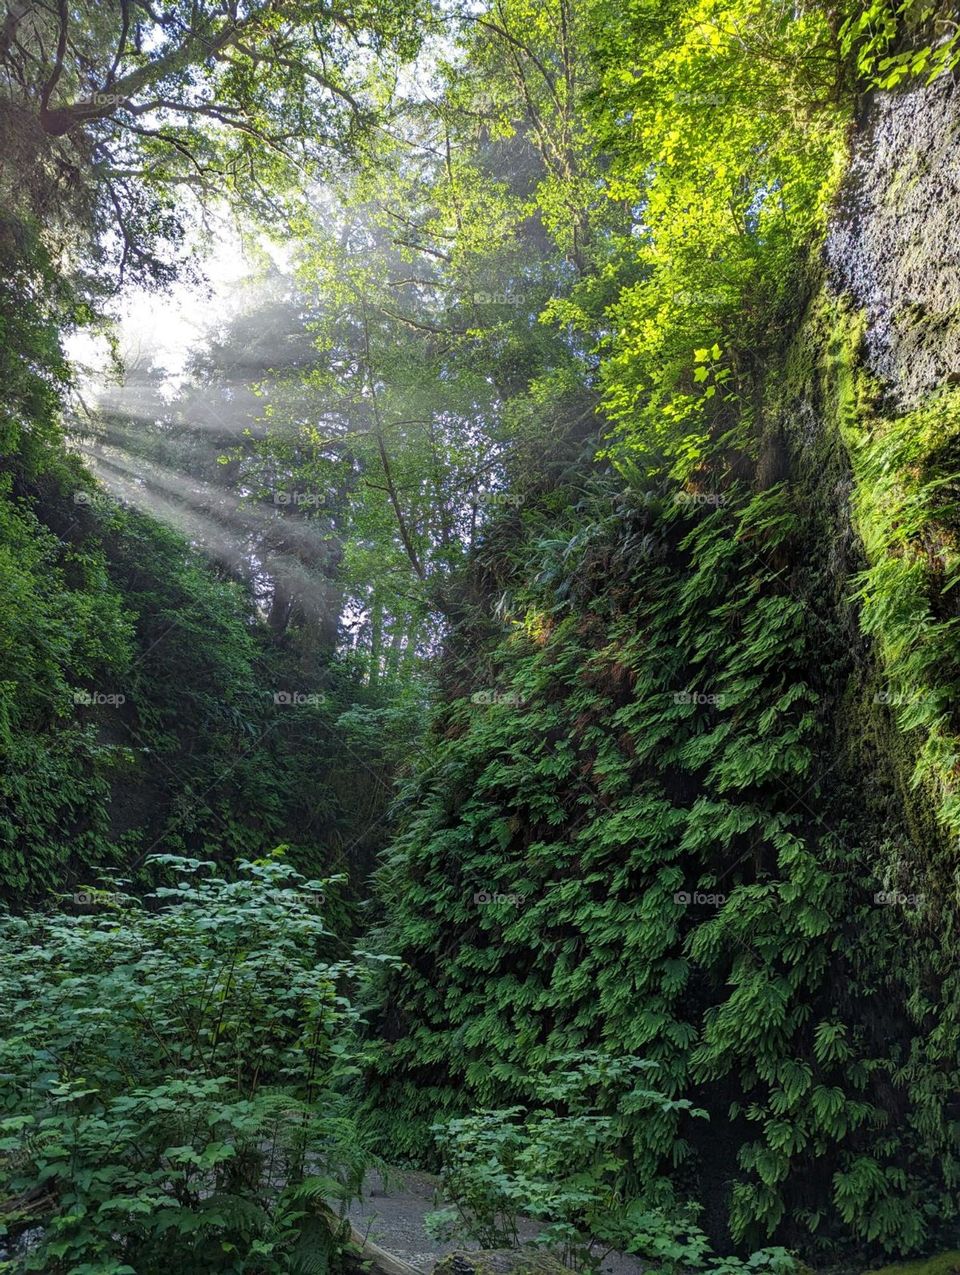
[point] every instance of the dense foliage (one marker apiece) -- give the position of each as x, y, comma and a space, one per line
170, 1078
565, 1165
545, 476
144, 700
667, 830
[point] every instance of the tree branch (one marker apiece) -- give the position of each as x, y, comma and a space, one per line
121, 43
57, 70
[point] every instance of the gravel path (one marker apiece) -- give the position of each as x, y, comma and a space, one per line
392, 1216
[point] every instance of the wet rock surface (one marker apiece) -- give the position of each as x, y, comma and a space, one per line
894, 243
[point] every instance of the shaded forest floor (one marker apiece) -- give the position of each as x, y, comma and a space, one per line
392, 1214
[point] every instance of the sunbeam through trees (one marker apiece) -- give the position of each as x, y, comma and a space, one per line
479, 648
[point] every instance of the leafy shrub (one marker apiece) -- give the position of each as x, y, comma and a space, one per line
170, 1079
564, 1165
890, 41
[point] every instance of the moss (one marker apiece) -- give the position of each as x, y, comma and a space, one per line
944, 1264
500, 1262
919, 329
877, 492
873, 484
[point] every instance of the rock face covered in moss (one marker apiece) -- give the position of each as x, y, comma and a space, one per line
894, 244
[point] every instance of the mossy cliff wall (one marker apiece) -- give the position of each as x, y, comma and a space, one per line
711, 815
894, 241
866, 398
